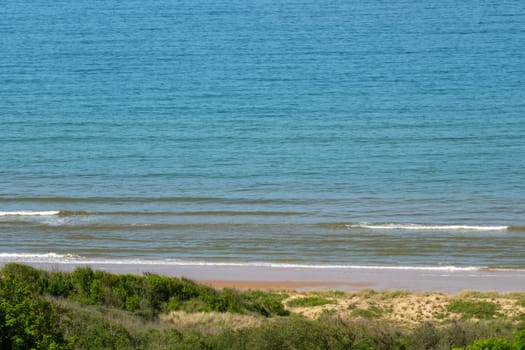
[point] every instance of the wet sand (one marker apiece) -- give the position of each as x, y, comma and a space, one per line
265, 277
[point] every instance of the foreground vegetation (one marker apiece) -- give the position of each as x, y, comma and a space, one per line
89, 309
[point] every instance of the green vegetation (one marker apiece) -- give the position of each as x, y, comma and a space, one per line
521, 301
27, 321
499, 343
89, 309
473, 309
520, 318
309, 302
146, 296
369, 313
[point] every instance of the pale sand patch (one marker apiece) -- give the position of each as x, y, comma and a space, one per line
404, 307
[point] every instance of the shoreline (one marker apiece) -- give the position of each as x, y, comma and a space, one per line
300, 278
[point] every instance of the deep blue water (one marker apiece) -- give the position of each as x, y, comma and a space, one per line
325, 132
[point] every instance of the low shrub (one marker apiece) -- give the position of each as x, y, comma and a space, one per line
144, 295
371, 312
491, 344
289, 333
473, 309
26, 320
59, 284
265, 303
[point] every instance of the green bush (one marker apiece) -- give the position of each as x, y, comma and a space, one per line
103, 335
33, 279
491, 344
228, 300
97, 292
132, 303
518, 343
161, 291
289, 333
145, 295
519, 340
82, 278
26, 320
473, 309
59, 284
265, 303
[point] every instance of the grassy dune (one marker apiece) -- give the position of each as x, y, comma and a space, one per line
89, 309
410, 309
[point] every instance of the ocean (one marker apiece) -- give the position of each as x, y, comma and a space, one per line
273, 133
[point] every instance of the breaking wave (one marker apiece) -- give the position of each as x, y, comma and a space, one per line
29, 213
54, 258
392, 226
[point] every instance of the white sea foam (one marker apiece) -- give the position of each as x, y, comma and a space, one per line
29, 213
76, 259
28, 257
389, 226
320, 267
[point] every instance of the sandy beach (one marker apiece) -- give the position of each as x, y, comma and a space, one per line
315, 278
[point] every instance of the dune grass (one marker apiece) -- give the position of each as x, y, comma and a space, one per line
309, 301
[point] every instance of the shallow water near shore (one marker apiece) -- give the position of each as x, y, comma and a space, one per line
294, 134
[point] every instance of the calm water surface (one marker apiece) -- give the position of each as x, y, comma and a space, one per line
294, 132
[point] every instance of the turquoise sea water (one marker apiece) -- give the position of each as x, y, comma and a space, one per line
294, 132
